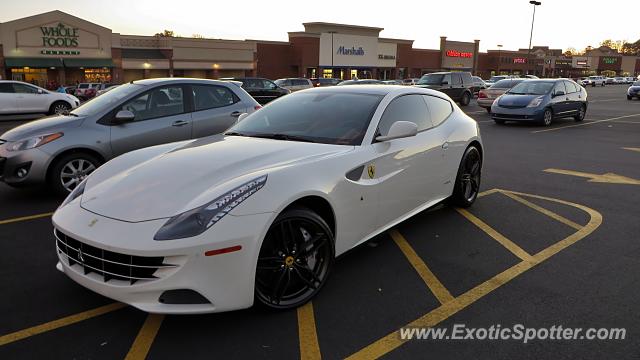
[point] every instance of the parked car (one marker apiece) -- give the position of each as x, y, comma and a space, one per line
361, 82
104, 90
633, 91
263, 90
392, 82
609, 80
320, 82
71, 90
410, 81
496, 78
64, 149
259, 214
86, 91
294, 84
17, 97
478, 84
595, 80
458, 85
486, 97
529, 77
541, 101
629, 80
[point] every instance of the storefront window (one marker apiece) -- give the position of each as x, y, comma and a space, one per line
327, 73
32, 76
354, 74
100, 75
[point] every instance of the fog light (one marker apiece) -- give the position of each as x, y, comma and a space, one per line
22, 172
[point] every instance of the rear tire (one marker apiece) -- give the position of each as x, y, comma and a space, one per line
581, 113
59, 107
488, 110
467, 185
466, 99
69, 170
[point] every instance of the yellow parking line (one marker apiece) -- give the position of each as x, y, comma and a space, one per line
586, 123
25, 218
392, 341
488, 192
144, 340
510, 245
55, 324
549, 213
441, 293
307, 335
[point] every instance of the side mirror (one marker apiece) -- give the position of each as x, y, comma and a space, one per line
445, 83
124, 116
400, 129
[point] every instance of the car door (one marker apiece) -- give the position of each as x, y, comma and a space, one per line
407, 169
30, 100
456, 86
573, 95
447, 86
559, 103
8, 101
161, 116
216, 108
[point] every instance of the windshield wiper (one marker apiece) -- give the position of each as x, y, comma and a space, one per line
278, 136
235, 133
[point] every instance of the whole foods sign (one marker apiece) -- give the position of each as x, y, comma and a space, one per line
59, 36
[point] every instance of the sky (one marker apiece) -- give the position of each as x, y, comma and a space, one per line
558, 24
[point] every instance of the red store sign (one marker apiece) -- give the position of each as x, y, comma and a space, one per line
519, 60
456, 53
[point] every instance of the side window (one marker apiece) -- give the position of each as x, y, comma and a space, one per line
456, 79
300, 82
24, 89
559, 87
405, 108
571, 87
446, 79
440, 109
209, 97
159, 102
466, 78
6, 88
268, 85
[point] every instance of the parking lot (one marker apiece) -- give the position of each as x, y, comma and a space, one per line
553, 240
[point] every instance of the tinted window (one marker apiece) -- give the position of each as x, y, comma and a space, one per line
456, 78
208, 97
252, 84
266, 84
324, 117
466, 77
83, 86
431, 79
405, 108
571, 87
439, 109
6, 88
301, 82
24, 89
559, 86
282, 82
160, 102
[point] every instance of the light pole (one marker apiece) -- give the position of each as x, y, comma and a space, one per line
332, 74
499, 57
534, 3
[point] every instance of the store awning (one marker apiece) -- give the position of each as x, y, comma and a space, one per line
33, 62
88, 63
142, 54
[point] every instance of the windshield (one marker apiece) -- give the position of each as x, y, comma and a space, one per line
318, 116
497, 78
106, 100
431, 79
505, 84
532, 88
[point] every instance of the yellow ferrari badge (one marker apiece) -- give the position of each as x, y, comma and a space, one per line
371, 170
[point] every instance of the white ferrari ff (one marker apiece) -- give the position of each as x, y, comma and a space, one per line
259, 213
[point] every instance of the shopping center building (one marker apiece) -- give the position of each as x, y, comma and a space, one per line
58, 48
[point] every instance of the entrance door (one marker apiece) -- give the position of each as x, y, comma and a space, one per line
354, 74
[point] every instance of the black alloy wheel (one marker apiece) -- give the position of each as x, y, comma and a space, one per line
466, 99
467, 183
581, 113
295, 259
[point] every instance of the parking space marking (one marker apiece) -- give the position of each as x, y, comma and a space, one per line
597, 178
586, 123
632, 148
25, 218
626, 122
542, 210
437, 288
146, 335
55, 324
392, 341
510, 245
307, 334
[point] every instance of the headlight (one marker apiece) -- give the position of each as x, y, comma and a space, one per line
78, 191
195, 222
535, 102
33, 142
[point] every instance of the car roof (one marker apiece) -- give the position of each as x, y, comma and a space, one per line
159, 81
375, 90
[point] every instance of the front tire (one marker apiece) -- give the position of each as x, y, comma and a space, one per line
59, 107
68, 171
581, 113
547, 117
295, 259
466, 99
467, 185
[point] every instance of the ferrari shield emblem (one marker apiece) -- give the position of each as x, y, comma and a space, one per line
371, 170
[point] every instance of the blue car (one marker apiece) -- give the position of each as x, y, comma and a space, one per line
541, 101
634, 90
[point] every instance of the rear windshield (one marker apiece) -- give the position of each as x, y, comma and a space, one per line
431, 79
505, 84
532, 88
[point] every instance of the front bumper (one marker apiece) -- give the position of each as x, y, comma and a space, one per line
517, 114
35, 161
226, 281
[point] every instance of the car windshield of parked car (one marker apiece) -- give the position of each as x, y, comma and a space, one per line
340, 118
505, 84
496, 78
431, 79
532, 88
107, 100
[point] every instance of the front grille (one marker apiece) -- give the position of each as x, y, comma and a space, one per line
108, 264
512, 116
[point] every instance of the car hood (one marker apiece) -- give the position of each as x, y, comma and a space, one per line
434, 87
50, 124
164, 181
515, 100
634, 88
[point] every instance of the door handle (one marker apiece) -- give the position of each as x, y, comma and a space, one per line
236, 113
180, 123
445, 146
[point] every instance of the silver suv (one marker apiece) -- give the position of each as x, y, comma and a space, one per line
62, 150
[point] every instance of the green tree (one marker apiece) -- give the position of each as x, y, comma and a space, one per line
631, 48
166, 33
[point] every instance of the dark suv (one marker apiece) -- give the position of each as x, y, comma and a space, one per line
458, 85
263, 90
